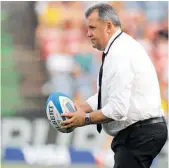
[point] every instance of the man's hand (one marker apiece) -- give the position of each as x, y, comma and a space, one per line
75, 119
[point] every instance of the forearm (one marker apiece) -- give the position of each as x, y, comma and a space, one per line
85, 107
97, 117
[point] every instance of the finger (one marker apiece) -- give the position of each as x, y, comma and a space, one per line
67, 126
67, 114
66, 111
67, 122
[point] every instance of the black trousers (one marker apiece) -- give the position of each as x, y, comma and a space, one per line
136, 147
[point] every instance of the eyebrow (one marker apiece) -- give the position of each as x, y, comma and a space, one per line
91, 26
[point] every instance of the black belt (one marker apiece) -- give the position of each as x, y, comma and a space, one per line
122, 135
148, 122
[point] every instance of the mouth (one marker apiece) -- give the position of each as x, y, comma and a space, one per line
92, 40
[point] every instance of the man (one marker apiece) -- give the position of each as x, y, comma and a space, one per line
127, 103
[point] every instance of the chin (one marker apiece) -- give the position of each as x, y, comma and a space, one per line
99, 48
94, 46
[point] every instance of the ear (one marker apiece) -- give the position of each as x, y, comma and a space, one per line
109, 27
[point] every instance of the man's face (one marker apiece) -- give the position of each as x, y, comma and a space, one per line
97, 31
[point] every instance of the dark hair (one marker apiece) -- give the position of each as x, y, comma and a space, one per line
105, 12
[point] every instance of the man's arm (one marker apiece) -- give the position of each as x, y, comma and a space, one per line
119, 93
77, 119
90, 104
85, 107
97, 117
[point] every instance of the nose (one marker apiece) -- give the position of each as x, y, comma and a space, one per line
89, 34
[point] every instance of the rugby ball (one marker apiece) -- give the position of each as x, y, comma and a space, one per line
58, 103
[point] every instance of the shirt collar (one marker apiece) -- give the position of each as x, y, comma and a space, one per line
111, 39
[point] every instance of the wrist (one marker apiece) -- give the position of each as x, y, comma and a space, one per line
87, 119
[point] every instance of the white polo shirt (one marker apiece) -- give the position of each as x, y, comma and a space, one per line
130, 88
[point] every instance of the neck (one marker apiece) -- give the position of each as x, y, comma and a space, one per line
110, 35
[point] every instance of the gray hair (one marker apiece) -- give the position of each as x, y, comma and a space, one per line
105, 12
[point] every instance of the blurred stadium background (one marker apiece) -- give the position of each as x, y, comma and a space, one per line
44, 48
